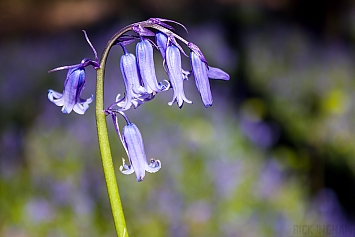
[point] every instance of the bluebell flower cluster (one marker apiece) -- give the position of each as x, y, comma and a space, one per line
141, 83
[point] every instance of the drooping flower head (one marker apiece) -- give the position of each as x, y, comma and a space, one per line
73, 86
132, 141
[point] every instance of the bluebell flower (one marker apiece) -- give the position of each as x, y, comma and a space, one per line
173, 62
199, 70
133, 144
73, 86
202, 72
162, 43
70, 99
145, 61
134, 89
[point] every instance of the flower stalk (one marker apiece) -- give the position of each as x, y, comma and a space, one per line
102, 132
104, 144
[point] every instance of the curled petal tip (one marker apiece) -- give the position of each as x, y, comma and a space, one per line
133, 142
154, 166
125, 169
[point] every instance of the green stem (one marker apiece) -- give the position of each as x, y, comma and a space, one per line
104, 143
101, 125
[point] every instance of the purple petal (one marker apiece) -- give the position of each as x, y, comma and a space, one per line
216, 73
126, 169
82, 105
73, 86
55, 98
185, 74
130, 77
199, 69
153, 166
70, 99
173, 61
134, 143
162, 42
145, 60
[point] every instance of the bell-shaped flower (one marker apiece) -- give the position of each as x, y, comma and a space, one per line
145, 61
133, 144
70, 99
162, 43
202, 72
199, 70
173, 62
73, 85
134, 89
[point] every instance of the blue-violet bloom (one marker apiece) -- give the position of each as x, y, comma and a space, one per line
162, 43
173, 62
134, 89
133, 143
145, 61
202, 72
73, 85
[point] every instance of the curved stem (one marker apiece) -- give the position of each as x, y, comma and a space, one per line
101, 125
104, 144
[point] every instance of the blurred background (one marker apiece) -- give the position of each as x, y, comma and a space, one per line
274, 152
